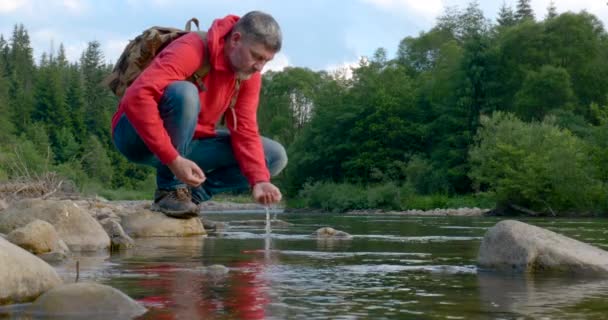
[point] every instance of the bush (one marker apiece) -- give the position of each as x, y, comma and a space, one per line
535, 165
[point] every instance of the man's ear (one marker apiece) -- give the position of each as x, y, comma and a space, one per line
235, 36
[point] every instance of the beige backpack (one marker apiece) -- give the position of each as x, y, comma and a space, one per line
140, 51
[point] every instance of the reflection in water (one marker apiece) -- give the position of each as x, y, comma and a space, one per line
535, 297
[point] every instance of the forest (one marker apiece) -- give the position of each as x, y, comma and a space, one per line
510, 114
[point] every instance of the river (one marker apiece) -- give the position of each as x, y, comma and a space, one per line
395, 267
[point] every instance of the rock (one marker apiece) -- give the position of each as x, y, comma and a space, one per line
517, 246
217, 270
330, 233
75, 226
55, 256
86, 301
214, 226
37, 237
119, 238
146, 223
23, 276
3, 204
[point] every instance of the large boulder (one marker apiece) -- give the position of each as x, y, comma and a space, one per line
75, 226
23, 276
146, 223
37, 237
517, 246
86, 301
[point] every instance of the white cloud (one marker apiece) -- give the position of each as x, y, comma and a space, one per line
427, 8
343, 70
8, 6
279, 63
74, 6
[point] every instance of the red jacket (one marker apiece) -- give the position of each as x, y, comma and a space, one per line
178, 61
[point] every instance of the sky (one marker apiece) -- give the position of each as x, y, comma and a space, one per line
317, 34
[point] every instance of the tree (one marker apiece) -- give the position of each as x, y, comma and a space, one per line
548, 89
506, 16
96, 162
534, 165
551, 11
287, 101
99, 103
21, 77
523, 10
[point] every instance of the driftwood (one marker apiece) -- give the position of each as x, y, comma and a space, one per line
524, 210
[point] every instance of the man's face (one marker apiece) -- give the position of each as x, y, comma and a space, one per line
247, 57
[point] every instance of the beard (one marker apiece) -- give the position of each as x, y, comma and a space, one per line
243, 75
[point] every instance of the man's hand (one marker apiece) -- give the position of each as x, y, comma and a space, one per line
266, 193
187, 171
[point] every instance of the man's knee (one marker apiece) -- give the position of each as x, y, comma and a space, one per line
276, 157
181, 97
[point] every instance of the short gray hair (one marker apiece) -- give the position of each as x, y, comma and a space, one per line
262, 28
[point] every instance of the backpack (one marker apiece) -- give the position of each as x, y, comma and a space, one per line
140, 52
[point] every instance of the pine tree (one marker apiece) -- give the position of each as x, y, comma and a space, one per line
98, 102
524, 11
5, 110
76, 103
506, 17
551, 11
21, 72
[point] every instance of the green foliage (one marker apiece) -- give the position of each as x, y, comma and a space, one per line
96, 163
535, 165
344, 196
543, 91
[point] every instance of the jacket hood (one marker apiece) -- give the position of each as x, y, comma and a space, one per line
215, 41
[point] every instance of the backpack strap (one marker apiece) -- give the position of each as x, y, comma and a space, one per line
200, 74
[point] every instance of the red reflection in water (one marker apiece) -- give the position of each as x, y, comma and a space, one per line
190, 294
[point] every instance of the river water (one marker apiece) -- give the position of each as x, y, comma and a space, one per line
395, 267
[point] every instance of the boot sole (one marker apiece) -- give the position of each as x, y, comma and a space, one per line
174, 214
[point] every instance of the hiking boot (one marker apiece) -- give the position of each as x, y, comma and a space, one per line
175, 203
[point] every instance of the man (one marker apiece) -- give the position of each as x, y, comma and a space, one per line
169, 123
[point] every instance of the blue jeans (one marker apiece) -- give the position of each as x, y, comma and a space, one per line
179, 107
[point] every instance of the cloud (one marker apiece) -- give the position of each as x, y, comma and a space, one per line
279, 63
344, 69
8, 6
427, 8
74, 6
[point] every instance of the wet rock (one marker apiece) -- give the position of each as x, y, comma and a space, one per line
37, 237
146, 223
214, 226
55, 256
86, 301
75, 226
517, 246
330, 233
23, 276
119, 238
217, 270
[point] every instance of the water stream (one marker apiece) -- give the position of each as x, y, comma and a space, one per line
393, 268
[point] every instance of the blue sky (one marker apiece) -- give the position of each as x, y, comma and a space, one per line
318, 34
